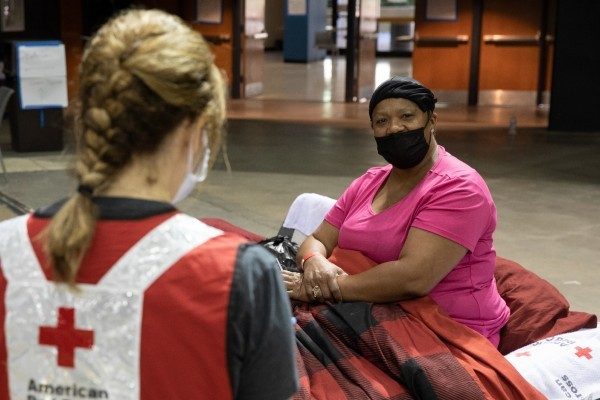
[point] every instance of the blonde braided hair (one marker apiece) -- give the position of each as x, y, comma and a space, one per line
143, 74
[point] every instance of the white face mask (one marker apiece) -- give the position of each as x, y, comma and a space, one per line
193, 177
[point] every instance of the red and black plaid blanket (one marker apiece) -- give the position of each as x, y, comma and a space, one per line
412, 350
405, 350
366, 351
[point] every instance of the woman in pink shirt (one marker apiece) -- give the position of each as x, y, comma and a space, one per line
427, 219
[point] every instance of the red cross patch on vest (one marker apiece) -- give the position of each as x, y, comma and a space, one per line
66, 337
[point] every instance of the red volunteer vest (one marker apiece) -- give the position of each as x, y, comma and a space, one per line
182, 344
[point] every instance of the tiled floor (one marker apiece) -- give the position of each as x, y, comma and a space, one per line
321, 81
546, 186
314, 93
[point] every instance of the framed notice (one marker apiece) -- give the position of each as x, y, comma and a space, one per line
296, 7
42, 74
209, 11
370, 8
12, 14
441, 10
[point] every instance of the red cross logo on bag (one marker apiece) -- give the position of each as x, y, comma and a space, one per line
65, 337
583, 352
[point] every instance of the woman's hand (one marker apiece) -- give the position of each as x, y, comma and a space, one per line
293, 286
320, 279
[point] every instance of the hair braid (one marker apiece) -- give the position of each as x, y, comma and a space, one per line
142, 74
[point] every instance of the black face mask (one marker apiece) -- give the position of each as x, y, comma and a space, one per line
403, 149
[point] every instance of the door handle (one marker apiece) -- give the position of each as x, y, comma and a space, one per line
368, 36
512, 39
404, 38
259, 36
441, 40
217, 39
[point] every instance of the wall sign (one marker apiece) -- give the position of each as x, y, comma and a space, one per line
209, 11
13, 15
441, 10
296, 7
42, 74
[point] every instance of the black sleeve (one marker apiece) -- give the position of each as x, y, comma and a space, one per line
260, 338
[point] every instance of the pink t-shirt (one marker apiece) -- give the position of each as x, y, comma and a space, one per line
452, 201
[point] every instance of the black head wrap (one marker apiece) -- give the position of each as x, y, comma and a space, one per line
403, 88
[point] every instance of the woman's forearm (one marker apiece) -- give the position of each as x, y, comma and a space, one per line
383, 283
425, 260
311, 245
322, 241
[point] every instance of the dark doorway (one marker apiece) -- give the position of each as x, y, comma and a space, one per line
97, 12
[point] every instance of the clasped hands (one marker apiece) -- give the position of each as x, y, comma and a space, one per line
317, 283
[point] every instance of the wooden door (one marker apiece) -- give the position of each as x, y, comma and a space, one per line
442, 51
220, 35
253, 44
510, 51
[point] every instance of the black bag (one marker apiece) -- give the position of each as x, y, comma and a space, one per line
284, 250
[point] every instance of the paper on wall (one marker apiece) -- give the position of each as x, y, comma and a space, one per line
41, 61
44, 92
296, 7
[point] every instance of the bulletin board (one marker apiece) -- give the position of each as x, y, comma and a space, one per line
441, 10
209, 11
42, 74
296, 7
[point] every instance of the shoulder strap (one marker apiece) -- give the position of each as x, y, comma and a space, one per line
156, 252
18, 259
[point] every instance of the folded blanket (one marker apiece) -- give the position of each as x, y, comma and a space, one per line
405, 350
